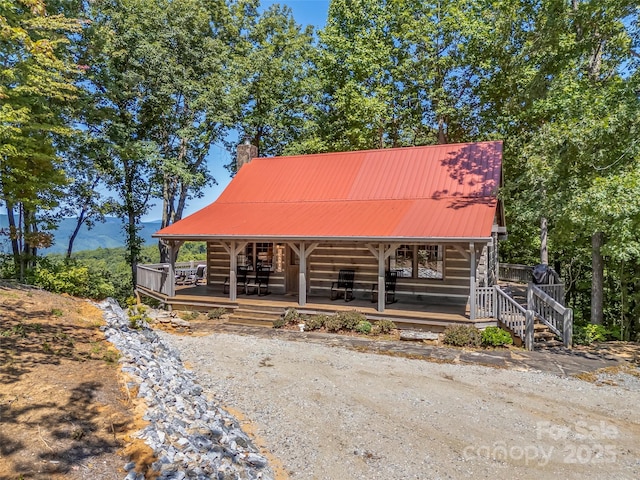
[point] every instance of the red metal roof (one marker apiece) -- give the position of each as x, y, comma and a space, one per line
440, 191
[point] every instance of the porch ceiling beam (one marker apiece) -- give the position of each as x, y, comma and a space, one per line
172, 243
462, 251
240, 246
310, 249
294, 248
236, 250
375, 250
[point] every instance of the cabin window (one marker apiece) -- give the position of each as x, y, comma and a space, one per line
257, 255
418, 261
430, 264
403, 261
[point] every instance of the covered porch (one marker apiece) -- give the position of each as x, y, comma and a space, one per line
427, 271
254, 310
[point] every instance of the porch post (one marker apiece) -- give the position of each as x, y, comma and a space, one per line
233, 266
382, 294
472, 282
302, 276
172, 269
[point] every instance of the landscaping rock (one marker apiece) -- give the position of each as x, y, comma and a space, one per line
191, 436
417, 335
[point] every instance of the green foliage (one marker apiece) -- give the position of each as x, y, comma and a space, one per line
19, 329
292, 317
189, 315
385, 326
57, 312
216, 313
350, 320
496, 337
363, 327
462, 336
137, 314
280, 85
72, 278
279, 323
316, 322
37, 92
590, 333
333, 323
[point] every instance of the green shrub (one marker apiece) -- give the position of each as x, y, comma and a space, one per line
385, 326
351, 319
316, 322
216, 313
589, 333
279, 323
496, 337
364, 327
72, 278
292, 317
462, 336
333, 323
137, 314
188, 315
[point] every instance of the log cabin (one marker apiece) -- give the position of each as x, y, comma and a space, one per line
430, 214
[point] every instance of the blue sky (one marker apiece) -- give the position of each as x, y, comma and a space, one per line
306, 12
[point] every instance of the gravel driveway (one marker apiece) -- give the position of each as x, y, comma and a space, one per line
332, 413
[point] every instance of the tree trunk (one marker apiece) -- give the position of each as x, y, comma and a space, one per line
544, 251
73, 236
13, 231
597, 285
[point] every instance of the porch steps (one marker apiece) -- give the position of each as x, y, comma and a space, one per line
255, 315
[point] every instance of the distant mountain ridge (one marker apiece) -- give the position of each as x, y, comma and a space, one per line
108, 234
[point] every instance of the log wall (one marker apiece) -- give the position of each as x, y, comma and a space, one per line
327, 260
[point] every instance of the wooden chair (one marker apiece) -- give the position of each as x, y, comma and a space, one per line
200, 274
260, 283
241, 280
389, 288
344, 285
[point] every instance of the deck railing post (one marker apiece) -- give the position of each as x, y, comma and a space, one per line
529, 329
567, 328
172, 270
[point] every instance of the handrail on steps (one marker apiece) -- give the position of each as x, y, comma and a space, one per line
552, 313
515, 317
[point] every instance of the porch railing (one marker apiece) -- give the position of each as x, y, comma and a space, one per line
155, 278
552, 313
515, 317
511, 272
554, 290
485, 302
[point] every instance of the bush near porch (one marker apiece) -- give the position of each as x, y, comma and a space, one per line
350, 321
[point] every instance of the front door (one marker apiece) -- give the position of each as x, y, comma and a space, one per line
293, 270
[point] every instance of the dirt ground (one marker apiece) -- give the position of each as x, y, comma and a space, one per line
64, 412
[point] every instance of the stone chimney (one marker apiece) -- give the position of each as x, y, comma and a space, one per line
246, 152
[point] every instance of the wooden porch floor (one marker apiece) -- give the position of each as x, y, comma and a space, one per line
404, 314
